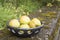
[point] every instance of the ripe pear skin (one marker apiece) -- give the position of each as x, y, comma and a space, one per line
36, 21
24, 19
14, 23
32, 24
24, 26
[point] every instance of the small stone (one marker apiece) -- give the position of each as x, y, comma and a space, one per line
40, 10
46, 38
39, 38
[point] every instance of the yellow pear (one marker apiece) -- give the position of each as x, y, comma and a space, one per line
14, 23
24, 19
24, 26
49, 5
32, 24
36, 21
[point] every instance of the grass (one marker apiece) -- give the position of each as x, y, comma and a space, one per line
9, 11
5, 15
12, 9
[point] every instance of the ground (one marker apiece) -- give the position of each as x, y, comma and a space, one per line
49, 16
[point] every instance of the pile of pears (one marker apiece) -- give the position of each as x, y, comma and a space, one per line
25, 22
